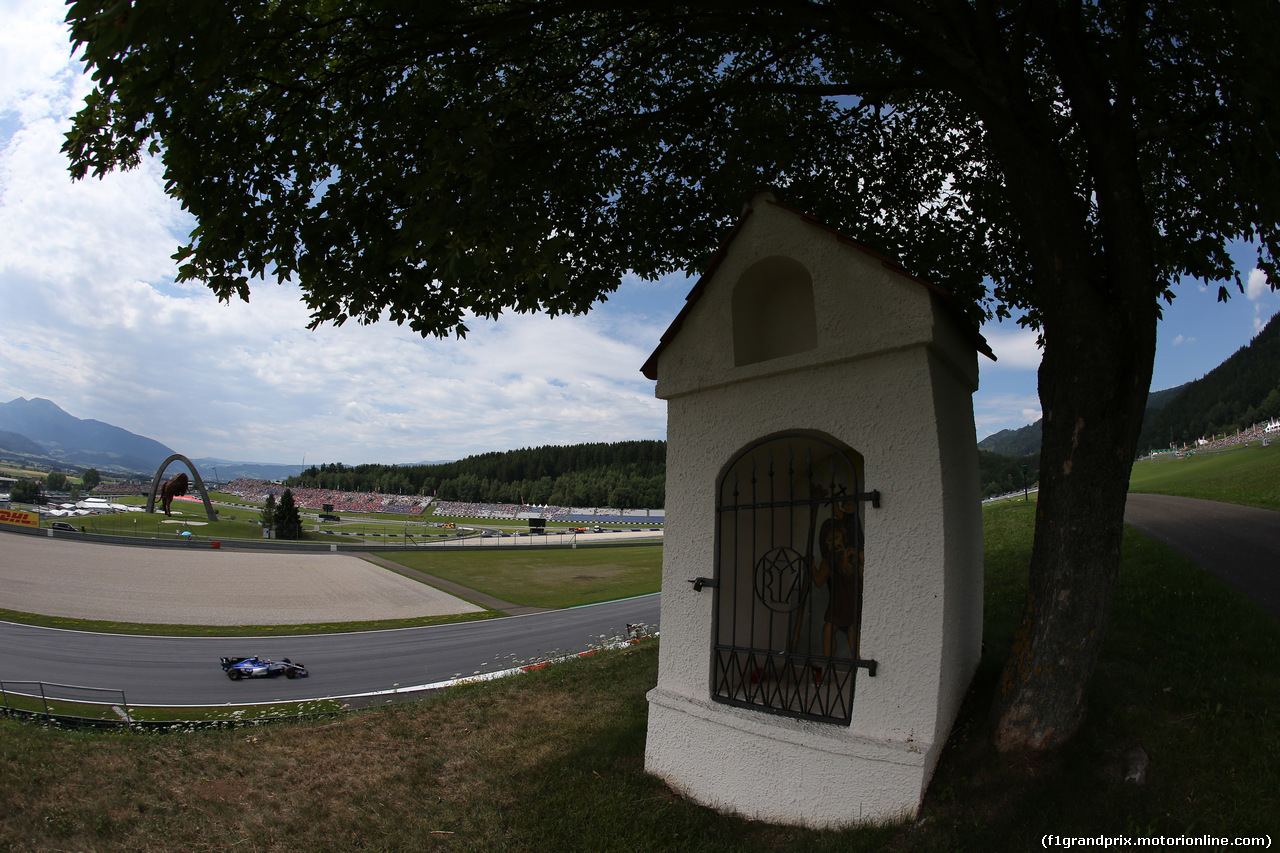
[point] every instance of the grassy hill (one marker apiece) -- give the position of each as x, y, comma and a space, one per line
1249, 476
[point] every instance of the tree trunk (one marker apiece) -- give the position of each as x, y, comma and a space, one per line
1094, 380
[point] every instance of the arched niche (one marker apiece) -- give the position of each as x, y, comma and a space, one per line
195, 476
773, 313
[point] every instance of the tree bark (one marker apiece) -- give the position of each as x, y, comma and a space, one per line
1093, 390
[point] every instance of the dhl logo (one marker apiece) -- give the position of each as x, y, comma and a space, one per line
17, 516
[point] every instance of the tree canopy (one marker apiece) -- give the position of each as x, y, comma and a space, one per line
627, 474
268, 514
425, 162
26, 492
287, 520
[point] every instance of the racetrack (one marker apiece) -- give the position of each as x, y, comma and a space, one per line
176, 671
201, 586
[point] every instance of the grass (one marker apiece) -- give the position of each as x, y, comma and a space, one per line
1249, 476
546, 578
178, 718
554, 759
231, 523
1187, 673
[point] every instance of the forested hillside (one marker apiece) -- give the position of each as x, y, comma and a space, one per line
627, 474
1001, 474
1013, 442
1238, 393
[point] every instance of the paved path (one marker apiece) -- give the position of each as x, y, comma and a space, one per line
54, 576
1239, 544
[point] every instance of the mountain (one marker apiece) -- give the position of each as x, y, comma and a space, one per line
20, 444
81, 443
39, 431
1013, 442
1242, 391
1157, 400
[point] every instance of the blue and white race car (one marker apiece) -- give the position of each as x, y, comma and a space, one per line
255, 667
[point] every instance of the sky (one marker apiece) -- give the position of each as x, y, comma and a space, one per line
91, 318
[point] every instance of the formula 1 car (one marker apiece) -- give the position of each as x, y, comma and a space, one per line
255, 667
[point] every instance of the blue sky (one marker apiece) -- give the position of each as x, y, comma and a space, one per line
91, 318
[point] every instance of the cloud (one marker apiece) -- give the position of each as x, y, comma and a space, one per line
94, 321
1015, 347
1257, 285
995, 412
1182, 339
1258, 289
36, 78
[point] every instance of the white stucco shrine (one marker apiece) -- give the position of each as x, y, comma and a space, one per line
822, 577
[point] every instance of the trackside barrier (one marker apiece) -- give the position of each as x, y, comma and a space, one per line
73, 707
65, 701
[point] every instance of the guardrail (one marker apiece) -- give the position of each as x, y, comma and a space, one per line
72, 706
65, 702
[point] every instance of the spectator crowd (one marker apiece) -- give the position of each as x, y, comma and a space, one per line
256, 491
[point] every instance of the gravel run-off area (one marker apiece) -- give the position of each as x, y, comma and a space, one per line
203, 586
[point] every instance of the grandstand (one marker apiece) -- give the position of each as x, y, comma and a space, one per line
257, 491
583, 515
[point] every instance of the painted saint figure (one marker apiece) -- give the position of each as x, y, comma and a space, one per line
840, 570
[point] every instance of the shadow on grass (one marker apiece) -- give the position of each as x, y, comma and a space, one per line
1187, 678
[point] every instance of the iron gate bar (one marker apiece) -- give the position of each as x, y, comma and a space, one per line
773, 646
861, 497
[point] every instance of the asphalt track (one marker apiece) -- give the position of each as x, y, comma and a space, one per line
1239, 544
185, 670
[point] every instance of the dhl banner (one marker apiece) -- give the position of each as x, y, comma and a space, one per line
17, 516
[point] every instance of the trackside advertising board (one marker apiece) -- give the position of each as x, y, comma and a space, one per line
19, 517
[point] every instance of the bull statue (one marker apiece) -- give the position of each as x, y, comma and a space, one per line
173, 487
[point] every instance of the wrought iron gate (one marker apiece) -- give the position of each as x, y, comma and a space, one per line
789, 573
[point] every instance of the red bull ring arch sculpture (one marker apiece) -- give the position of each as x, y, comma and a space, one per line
199, 482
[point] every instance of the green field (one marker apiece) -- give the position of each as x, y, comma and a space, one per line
1249, 476
563, 577
242, 521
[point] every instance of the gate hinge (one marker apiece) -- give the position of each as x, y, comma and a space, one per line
873, 496
699, 583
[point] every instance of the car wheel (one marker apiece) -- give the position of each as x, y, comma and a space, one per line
233, 674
